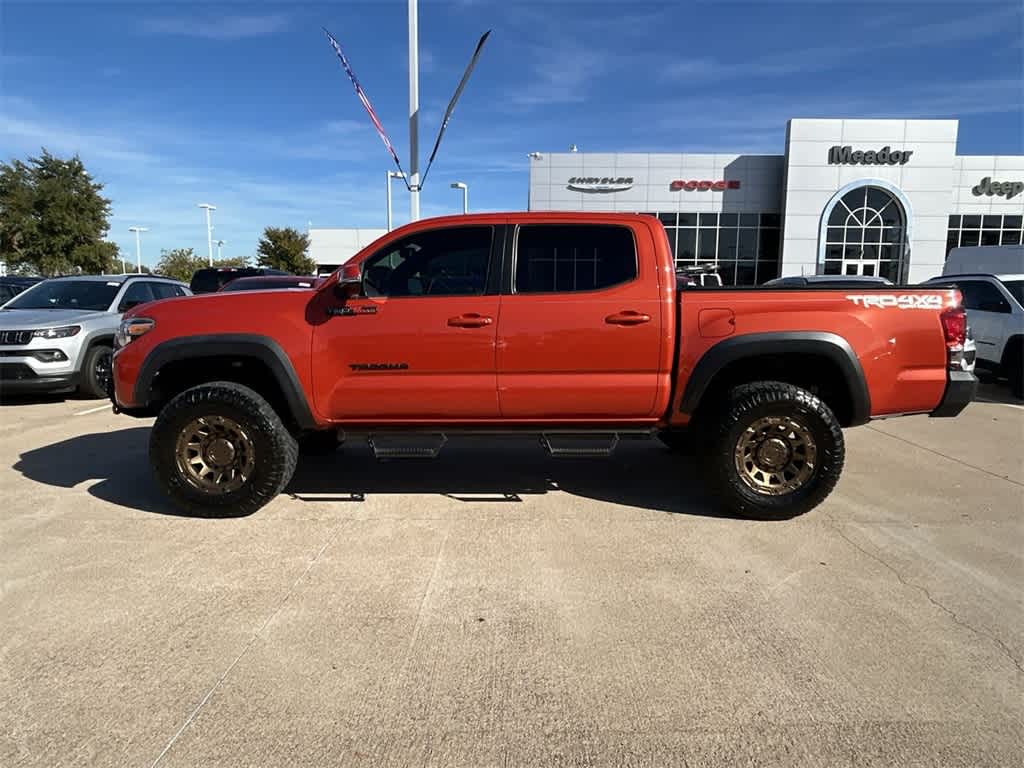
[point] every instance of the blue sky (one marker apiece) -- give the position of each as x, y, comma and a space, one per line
243, 104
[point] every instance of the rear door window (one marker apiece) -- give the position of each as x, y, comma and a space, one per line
982, 296
138, 292
164, 290
567, 258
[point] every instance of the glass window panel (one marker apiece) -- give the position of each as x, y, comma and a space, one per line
769, 245
728, 219
968, 237
746, 271
686, 245
1011, 237
838, 216
990, 237
833, 251
851, 269
891, 216
1012, 222
709, 219
706, 245
868, 269
873, 235
888, 252
767, 270
833, 267
727, 271
747, 244
952, 241
954, 222
834, 235
748, 219
889, 270
670, 232
564, 258
878, 199
852, 252
870, 252
991, 222
727, 244
971, 221
854, 199
668, 219
687, 219
770, 220
892, 235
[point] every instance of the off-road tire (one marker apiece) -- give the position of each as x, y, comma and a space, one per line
319, 443
276, 450
91, 385
744, 406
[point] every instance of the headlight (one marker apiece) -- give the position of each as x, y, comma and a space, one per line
56, 333
131, 328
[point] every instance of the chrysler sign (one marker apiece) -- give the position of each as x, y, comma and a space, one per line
693, 185
600, 184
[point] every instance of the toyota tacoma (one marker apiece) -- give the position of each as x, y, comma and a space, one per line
568, 326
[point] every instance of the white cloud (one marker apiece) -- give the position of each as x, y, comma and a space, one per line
218, 28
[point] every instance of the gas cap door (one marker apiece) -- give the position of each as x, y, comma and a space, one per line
716, 322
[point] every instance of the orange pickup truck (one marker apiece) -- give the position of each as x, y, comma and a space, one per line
569, 326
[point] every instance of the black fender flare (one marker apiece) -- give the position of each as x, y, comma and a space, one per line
819, 343
262, 348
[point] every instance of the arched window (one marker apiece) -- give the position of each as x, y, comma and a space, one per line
866, 235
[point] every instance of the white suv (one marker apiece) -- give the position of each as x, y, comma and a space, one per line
995, 312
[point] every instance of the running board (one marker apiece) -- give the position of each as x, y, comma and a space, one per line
406, 445
585, 445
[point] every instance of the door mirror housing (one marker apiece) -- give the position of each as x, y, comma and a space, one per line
350, 282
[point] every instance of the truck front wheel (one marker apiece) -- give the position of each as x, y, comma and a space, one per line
220, 450
776, 451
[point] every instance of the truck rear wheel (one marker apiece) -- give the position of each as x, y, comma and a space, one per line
776, 451
220, 450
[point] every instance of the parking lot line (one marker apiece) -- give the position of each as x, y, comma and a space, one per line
103, 407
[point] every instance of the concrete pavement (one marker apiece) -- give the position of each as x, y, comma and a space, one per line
497, 607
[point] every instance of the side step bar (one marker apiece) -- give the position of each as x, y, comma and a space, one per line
406, 446
587, 445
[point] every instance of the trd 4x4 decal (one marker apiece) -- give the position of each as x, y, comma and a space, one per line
902, 301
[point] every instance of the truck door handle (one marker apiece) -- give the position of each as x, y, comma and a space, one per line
627, 317
470, 320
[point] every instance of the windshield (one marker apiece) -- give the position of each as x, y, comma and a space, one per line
67, 294
1016, 289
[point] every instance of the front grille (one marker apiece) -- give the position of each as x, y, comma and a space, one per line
15, 338
16, 372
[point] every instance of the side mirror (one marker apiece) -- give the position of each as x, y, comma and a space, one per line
350, 282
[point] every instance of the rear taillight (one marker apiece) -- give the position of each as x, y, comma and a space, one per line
954, 326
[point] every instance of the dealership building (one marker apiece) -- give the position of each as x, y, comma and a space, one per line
847, 197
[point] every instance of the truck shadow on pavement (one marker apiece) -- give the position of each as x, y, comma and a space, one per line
641, 474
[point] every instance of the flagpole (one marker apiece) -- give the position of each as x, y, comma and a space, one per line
414, 113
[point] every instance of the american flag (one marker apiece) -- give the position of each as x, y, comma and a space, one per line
365, 100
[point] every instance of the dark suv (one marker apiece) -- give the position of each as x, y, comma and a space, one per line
212, 279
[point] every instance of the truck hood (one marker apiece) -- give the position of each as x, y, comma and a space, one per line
31, 319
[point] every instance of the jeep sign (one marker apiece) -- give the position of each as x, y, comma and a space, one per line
885, 156
1005, 189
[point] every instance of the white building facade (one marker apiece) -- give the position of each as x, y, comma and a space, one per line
849, 197
330, 247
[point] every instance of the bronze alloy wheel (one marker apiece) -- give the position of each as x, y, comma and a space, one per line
215, 455
775, 455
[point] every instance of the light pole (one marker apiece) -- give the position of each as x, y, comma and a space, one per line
209, 229
465, 194
391, 175
220, 244
414, 112
138, 247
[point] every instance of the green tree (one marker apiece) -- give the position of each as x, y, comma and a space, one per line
53, 218
285, 248
181, 263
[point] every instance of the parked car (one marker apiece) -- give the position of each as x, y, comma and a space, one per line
995, 312
570, 330
212, 279
12, 286
828, 281
58, 335
271, 282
